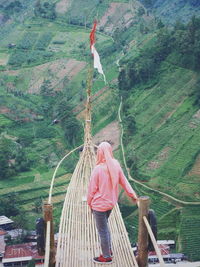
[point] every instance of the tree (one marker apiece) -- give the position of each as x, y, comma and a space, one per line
179, 25
148, 3
6, 167
38, 205
160, 24
72, 129
46, 88
22, 163
130, 124
20, 221
9, 206
141, 11
132, 161
192, 27
45, 10
37, 8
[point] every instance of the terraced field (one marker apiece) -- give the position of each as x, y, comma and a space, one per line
189, 230
39, 190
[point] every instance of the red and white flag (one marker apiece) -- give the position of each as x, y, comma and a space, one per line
97, 63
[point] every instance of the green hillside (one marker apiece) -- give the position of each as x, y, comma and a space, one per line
44, 61
173, 11
160, 90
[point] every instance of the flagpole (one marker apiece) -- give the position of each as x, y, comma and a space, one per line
88, 105
94, 63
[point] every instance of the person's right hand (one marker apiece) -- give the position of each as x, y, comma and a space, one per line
134, 199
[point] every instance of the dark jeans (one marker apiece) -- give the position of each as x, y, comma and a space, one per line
101, 218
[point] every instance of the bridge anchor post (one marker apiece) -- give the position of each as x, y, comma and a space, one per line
48, 218
142, 257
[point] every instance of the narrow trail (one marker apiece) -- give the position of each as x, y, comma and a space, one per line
169, 197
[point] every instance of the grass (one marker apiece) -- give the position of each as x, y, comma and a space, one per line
5, 122
3, 58
12, 36
27, 180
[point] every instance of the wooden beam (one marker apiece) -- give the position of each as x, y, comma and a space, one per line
143, 238
161, 261
48, 217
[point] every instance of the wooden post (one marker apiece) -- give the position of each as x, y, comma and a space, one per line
142, 257
48, 217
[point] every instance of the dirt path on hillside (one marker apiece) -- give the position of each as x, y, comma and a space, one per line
109, 133
63, 6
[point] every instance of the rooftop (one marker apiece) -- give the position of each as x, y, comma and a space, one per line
21, 251
2, 232
5, 220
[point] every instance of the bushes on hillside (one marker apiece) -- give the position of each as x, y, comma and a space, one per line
71, 126
9, 206
19, 58
43, 41
45, 132
187, 45
27, 41
13, 159
197, 94
6, 166
194, 3
182, 46
11, 7
45, 10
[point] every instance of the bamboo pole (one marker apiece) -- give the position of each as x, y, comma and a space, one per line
162, 264
142, 232
50, 253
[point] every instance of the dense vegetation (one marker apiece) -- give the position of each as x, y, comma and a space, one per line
172, 11
45, 10
180, 46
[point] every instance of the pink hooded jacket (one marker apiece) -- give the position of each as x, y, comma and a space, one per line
106, 176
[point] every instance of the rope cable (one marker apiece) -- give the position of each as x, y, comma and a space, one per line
55, 172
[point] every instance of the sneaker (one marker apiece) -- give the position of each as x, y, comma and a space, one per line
111, 254
102, 260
